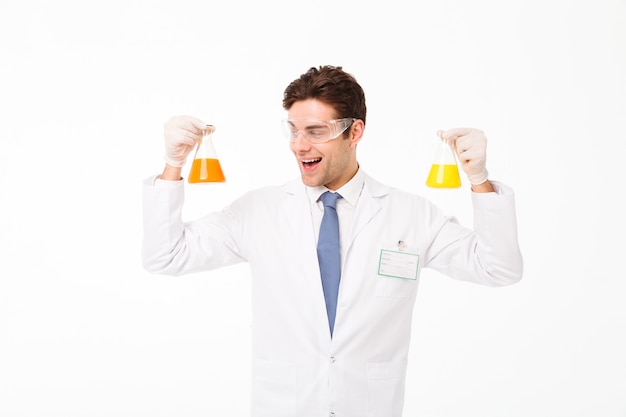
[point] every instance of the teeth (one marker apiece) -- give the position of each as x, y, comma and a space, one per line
309, 161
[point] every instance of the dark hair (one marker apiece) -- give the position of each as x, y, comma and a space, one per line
331, 85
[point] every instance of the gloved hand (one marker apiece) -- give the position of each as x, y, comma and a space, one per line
470, 146
181, 135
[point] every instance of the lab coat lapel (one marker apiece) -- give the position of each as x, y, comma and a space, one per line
369, 205
297, 212
296, 209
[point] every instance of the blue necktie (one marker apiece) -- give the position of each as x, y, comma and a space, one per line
328, 254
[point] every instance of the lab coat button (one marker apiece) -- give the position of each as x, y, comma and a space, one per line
331, 414
332, 359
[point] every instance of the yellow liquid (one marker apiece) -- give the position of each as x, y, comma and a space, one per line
206, 170
444, 176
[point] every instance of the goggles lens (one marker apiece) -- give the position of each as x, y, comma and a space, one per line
315, 131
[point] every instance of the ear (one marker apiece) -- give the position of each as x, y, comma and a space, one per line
356, 132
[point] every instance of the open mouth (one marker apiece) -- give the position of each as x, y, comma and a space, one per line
310, 163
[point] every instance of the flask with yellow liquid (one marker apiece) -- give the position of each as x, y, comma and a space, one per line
444, 173
206, 167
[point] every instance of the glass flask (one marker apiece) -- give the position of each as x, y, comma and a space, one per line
206, 167
444, 173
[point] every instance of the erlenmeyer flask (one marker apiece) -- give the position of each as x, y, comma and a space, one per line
206, 167
444, 172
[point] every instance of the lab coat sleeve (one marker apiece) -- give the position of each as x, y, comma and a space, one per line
173, 247
489, 254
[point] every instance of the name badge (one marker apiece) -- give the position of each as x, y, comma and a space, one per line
398, 264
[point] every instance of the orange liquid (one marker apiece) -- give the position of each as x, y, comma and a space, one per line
206, 170
444, 176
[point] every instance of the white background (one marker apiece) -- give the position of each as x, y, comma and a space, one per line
85, 88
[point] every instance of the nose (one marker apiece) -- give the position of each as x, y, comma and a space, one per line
300, 143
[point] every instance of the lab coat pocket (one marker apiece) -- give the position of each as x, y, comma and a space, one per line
385, 382
273, 388
394, 287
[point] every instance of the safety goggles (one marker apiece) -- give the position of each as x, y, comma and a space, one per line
315, 131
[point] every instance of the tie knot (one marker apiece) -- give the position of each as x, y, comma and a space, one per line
330, 199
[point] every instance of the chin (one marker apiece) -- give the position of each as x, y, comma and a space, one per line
310, 182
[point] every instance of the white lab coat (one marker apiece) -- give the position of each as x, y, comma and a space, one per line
298, 370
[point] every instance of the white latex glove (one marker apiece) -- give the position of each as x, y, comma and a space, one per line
181, 135
470, 146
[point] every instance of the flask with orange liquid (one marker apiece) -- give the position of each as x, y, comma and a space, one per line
444, 173
206, 167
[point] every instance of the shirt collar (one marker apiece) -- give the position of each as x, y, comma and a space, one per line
350, 192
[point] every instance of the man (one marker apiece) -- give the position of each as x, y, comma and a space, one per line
336, 343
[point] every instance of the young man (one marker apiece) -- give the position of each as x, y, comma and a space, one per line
331, 343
